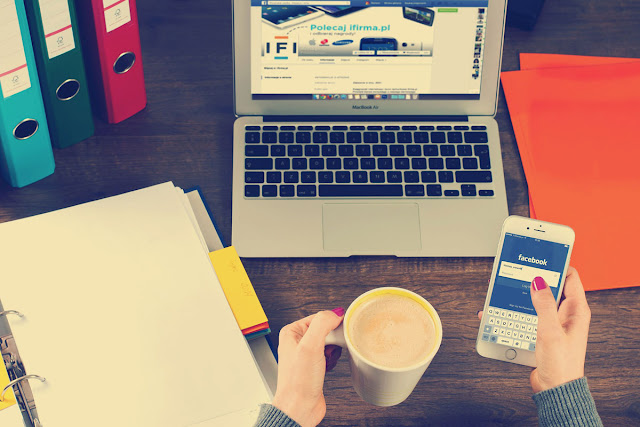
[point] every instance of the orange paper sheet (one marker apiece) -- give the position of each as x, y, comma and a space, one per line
576, 130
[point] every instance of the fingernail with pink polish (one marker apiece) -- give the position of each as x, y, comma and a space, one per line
338, 311
538, 283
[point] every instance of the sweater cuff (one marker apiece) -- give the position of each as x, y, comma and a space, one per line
270, 416
569, 404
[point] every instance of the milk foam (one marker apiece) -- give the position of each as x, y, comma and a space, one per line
392, 330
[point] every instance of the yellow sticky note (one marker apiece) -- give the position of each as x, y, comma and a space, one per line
237, 288
9, 397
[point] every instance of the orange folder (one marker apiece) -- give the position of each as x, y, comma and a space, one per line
575, 127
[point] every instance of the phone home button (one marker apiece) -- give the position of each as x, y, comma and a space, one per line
510, 354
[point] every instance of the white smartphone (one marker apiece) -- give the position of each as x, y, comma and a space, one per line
288, 16
528, 248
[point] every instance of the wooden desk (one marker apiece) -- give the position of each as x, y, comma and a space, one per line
185, 135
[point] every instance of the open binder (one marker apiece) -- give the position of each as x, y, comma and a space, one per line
123, 320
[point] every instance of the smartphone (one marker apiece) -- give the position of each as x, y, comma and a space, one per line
377, 44
287, 16
421, 15
528, 248
337, 11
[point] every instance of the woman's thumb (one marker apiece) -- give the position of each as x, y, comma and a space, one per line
545, 305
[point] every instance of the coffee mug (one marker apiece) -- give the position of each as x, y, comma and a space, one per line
376, 384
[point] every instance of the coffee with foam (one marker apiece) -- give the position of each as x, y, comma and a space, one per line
392, 330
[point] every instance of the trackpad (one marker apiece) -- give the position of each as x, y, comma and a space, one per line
371, 228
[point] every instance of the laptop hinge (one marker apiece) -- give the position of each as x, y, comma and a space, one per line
366, 118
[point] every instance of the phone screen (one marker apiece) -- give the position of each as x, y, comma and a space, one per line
421, 15
281, 14
510, 318
377, 44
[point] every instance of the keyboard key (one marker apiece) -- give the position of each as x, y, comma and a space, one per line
329, 150
470, 163
306, 190
303, 137
360, 177
286, 138
436, 163
485, 193
368, 163
374, 127
287, 128
419, 163
438, 137
311, 150
316, 163
370, 137
258, 163
287, 190
320, 137
468, 189
294, 151
252, 138
274, 177
414, 150
478, 127
370, 190
269, 191
445, 176
291, 177
269, 137
454, 137
411, 176
325, 177
380, 150
396, 150
254, 177
427, 128
354, 137
392, 128
340, 127
414, 190
409, 128
270, 128
323, 127
421, 136
479, 150
334, 163
473, 176
387, 137
251, 191
350, 163
308, 177
356, 127
476, 137
394, 176
376, 177
278, 151
305, 127
256, 150
252, 128
485, 162
451, 193
447, 150
401, 163
299, 163
431, 150
461, 127
343, 177
404, 137
363, 150
465, 150
336, 137
385, 163
345, 150
428, 176
444, 128
452, 163
434, 190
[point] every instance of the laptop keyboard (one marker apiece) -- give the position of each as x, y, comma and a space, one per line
334, 161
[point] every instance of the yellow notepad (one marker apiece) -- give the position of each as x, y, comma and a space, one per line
9, 397
237, 288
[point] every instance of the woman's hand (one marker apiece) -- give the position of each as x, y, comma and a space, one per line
302, 363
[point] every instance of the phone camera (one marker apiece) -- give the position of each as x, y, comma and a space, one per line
404, 44
527, 228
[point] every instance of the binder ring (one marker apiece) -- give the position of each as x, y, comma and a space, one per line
17, 313
17, 380
124, 62
68, 89
26, 129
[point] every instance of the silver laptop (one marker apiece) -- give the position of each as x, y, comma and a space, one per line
366, 128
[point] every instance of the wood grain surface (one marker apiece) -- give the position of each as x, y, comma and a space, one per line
184, 135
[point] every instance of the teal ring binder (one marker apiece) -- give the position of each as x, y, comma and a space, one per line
25, 129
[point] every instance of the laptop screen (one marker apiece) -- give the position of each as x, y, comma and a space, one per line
374, 50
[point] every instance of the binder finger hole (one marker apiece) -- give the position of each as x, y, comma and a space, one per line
25, 129
124, 62
68, 90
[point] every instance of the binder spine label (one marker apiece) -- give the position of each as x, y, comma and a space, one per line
58, 31
14, 74
116, 13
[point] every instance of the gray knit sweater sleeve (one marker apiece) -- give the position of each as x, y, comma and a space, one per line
270, 416
568, 405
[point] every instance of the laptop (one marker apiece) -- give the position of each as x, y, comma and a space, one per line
367, 128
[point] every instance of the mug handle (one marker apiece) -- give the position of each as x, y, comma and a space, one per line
336, 337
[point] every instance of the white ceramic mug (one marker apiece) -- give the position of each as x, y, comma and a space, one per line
375, 384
